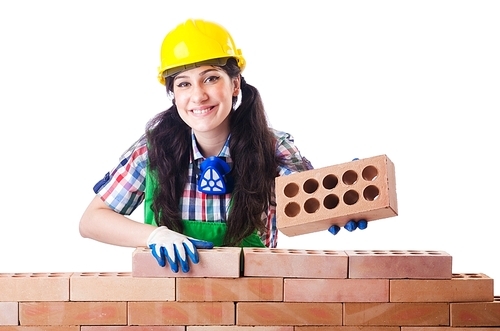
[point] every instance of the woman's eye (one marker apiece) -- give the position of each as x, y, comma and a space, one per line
212, 79
182, 84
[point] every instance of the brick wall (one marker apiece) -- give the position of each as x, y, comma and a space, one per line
256, 289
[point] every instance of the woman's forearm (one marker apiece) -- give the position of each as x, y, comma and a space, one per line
100, 223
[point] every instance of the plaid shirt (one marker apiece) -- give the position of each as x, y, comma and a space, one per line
122, 189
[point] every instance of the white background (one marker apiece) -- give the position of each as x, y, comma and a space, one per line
415, 80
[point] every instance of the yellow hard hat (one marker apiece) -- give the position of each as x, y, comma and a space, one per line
193, 43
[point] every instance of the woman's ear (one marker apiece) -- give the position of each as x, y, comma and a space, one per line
237, 84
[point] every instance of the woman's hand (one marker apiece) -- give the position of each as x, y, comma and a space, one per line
349, 226
167, 245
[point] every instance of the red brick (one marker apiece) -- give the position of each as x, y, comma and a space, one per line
347, 328
412, 264
216, 262
294, 263
288, 313
229, 289
34, 287
402, 314
445, 328
336, 290
181, 313
9, 313
240, 328
476, 313
73, 313
313, 200
41, 328
119, 286
461, 288
132, 328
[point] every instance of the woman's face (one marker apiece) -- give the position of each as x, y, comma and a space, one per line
204, 97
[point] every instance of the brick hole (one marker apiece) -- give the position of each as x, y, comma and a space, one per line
106, 274
88, 274
292, 209
279, 251
56, 274
123, 274
21, 274
371, 193
396, 252
330, 182
351, 197
312, 252
496, 299
310, 186
415, 253
331, 201
327, 252
294, 251
39, 274
311, 205
457, 276
291, 190
360, 252
370, 173
261, 250
350, 177
433, 252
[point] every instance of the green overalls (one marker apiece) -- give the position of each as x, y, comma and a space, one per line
213, 232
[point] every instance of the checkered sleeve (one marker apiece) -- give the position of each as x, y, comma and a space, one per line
291, 161
122, 189
289, 154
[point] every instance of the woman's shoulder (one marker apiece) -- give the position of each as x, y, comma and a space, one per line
138, 150
281, 136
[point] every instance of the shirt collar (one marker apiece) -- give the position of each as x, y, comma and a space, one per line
197, 154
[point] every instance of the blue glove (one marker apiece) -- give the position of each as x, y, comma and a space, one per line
175, 248
349, 226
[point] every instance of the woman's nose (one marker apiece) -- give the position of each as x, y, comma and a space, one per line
198, 93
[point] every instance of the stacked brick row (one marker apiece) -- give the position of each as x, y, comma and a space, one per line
254, 289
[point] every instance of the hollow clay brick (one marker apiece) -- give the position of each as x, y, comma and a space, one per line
416, 264
288, 313
34, 287
41, 328
298, 263
9, 313
181, 313
476, 313
73, 313
347, 328
402, 314
461, 288
215, 262
229, 289
313, 200
133, 328
445, 328
239, 328
336, 290
119, 286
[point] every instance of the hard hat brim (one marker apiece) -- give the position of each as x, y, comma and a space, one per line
211, 62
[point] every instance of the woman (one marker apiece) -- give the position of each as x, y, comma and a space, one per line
205, 168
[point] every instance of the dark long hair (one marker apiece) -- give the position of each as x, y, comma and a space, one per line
252, 148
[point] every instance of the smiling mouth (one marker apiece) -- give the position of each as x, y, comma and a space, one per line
202, 111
